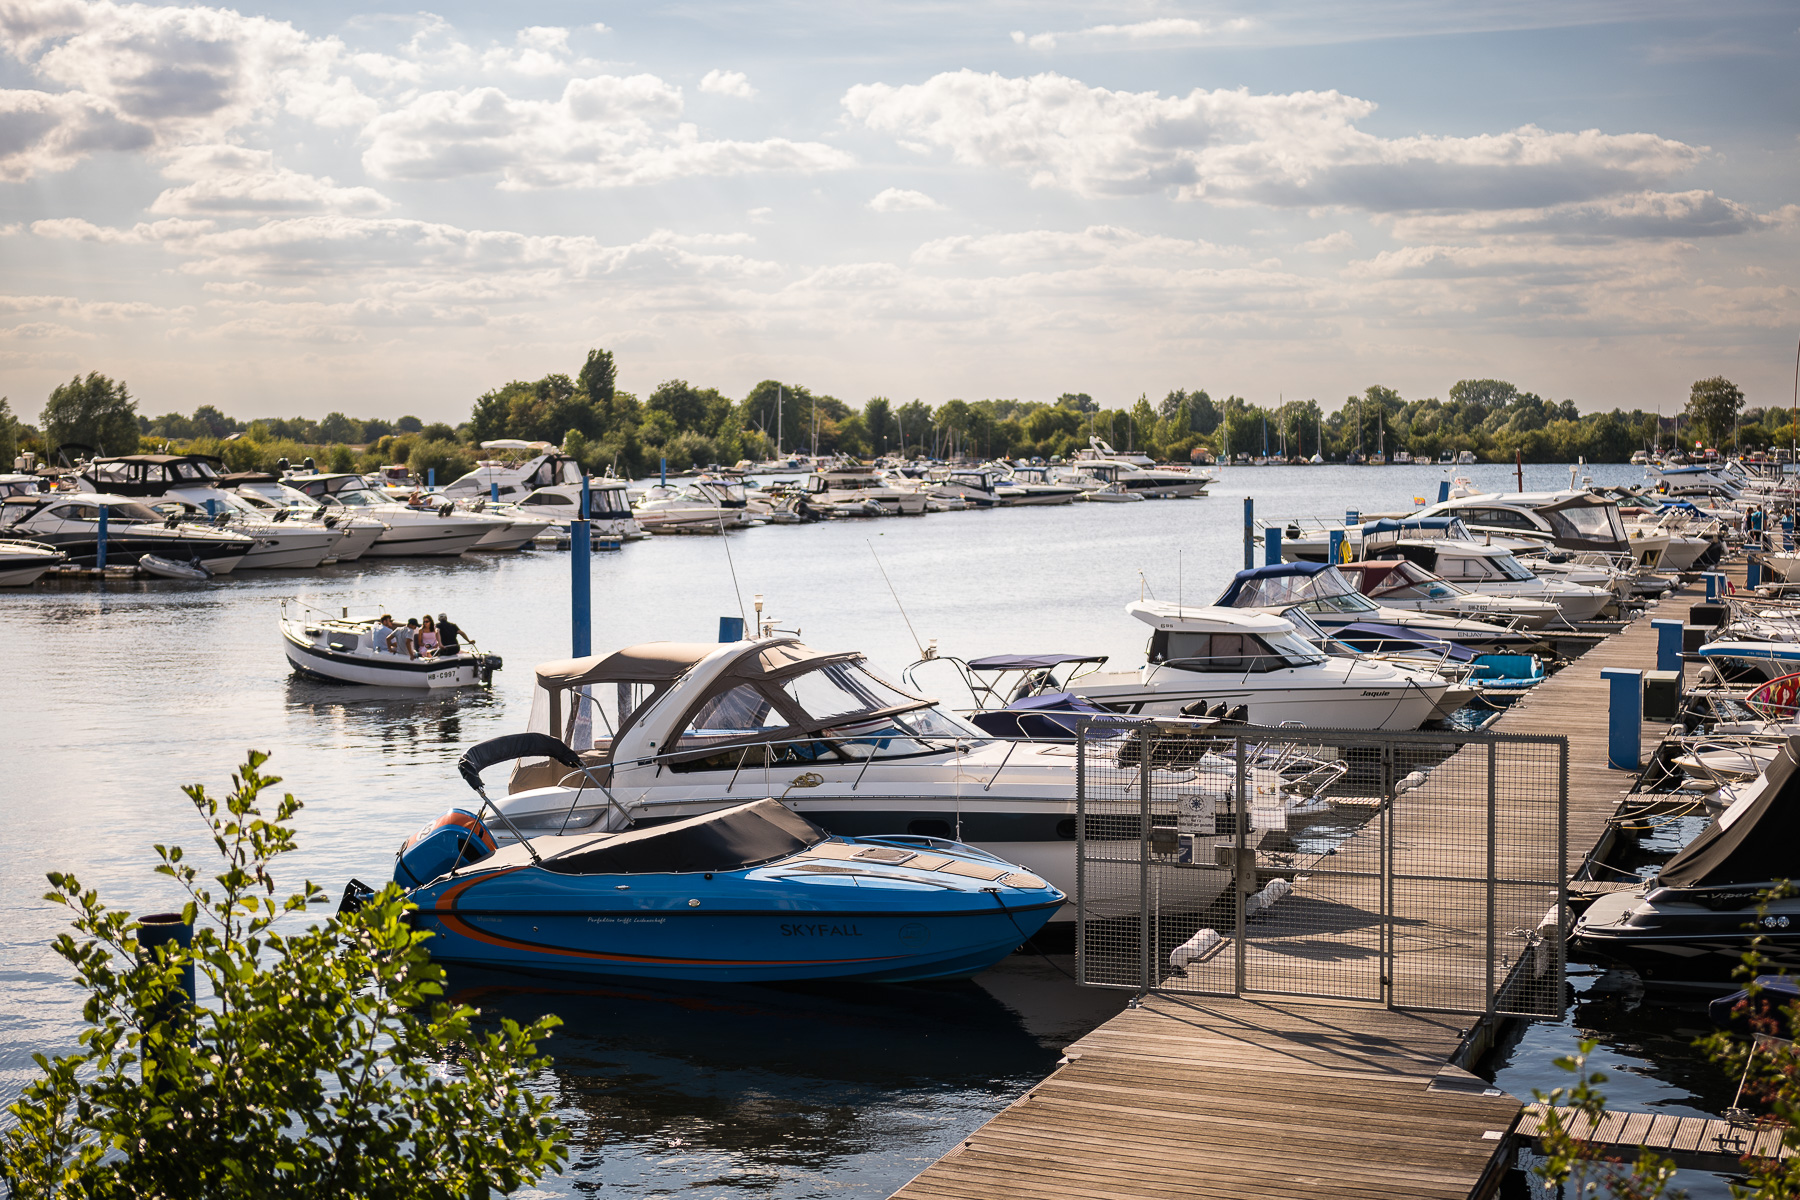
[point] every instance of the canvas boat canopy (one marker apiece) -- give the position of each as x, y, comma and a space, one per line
1318, 587
731, 839
1751, 844
1030, 662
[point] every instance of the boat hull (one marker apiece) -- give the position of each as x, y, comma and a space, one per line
1692, 945
464, 670
424, 540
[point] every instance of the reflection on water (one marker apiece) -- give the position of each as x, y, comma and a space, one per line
118, 695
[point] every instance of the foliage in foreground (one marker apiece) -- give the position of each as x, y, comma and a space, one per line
324, 1064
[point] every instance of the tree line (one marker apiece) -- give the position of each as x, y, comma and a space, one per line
609, 429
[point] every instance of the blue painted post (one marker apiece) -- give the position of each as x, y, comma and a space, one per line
587, 500
731, 629
1753, 573
1352, 517
1272, 546
664, 472
1668, 644
431, 479
1712, 587
494, 491
1443, 490
1625, 719
1337, 545
212, 507
1249, 533
100, 542
581, 567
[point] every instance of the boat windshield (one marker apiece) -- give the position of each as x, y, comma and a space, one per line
359, 498
1412, 582
1511, 568
1591, 522
1326, 591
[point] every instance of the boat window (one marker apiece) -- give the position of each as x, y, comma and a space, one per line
187, 470
608, 501
545, 498
1295, 649
1508, 567
1465, 568
110, 472
1593, 522
356, 499
1350, 602
842, 689
1221, 652
1505, 518
742, 711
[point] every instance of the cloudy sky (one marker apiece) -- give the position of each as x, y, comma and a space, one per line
297, 208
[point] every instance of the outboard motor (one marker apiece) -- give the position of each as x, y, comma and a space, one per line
456, 839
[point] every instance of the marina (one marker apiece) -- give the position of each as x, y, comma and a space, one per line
1165, 1065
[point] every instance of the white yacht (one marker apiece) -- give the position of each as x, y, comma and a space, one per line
1493, 571
1020, 486
685, 508
1397, 583
669, 730
23, 563
609, 508
1137, 473
851, 489
1204, 657
187, 488
69, 522
1333, 603
413, 530
279, 502
507, 480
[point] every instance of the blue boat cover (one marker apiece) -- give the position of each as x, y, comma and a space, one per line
1029, 662
1449, 525
1273, 571
1777, 991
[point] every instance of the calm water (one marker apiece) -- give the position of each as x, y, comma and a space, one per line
118, 696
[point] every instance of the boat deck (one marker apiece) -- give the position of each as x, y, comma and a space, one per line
1226, 1096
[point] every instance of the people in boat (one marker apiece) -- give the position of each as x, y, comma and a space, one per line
409, 637
428, 637
383, 634
449, 636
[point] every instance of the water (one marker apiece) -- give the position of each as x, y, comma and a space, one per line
116, 697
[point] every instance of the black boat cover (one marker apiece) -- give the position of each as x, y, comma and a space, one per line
728, 840
508, 747
1756, 847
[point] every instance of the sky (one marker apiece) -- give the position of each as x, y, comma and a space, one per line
295, 208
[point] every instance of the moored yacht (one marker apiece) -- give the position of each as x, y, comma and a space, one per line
23, 563
69, 522
426, 529
1136, 473
1492, 570
1202, 657
276, 501
851, 489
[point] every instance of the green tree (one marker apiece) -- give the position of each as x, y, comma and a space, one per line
336, 427
449, 460
324, 1064
407, 424
913, 424
93, 412
1712, 408
878, 419
599, 377
9, 436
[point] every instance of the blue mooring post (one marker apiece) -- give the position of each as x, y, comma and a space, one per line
1625, 719
430, 479
1352, 517
1752, 573
494, 491
1668, 644
1712, 587
1249, 533
100, 542
1272, 546
663, 476
581, 567
168, 929
1337, 546
731, 629
1443, 490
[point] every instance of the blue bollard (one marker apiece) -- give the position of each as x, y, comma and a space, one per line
1443, 490
1624, 719
1668, 644
494, 491
430, 479
1712, 587
1272, 546
663, 477
1352, 517
731, 629
581, 570
100, 542
1249, 533
1753, 573
586, 511
1337, 546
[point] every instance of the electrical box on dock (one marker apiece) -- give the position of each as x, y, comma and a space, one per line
1662, 696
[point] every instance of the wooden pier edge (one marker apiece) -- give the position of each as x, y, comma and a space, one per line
1222, 1096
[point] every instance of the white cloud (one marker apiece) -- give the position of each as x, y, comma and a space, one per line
892, 200
537, 50
1693, 214
1331, 243
1293, 149
45, 132
727, 83
1046, 248
228, 180
608, 131
1173, 30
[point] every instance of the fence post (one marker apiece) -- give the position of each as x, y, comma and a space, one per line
1240, 822
581, 570
1146, 922
100, 542
1272, 546
1250, 534
1492, 821
1625, 719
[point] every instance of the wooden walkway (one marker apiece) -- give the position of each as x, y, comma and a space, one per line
1220, 1096
1697, 1142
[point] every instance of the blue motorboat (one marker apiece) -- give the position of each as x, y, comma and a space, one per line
753, 893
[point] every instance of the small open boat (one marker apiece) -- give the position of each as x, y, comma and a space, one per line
342, 650
752, 893
168, 568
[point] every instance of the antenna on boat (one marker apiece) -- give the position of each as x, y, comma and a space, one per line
735, 589
1178, 582
890, 583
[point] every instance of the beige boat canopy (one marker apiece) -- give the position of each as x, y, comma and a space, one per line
648, 663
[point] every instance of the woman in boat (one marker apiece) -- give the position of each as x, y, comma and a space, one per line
428, 638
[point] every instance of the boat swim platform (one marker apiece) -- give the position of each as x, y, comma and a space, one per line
1233, 1096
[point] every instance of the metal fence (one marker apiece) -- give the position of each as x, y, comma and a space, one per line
1416, 870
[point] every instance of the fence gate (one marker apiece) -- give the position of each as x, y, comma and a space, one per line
1418, 870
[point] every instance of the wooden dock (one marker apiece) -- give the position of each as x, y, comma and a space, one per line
1698, 1142
1223, 1096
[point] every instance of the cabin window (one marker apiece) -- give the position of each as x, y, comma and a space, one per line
1223, 652
1505, 518
743, 711
1593, 522
546, 498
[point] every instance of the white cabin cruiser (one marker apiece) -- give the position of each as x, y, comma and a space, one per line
70, 523
1397, 583
23, 563
1493, 571
1020, 486
855, 490
413, 531
609, 508
279, 502
188, 487
1201, 657
344, 650
684, 508
671, 730
1332, 601
507, 481
1137, 473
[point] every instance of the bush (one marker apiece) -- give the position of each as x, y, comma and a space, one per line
323, 1064
448, 459
690, 449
